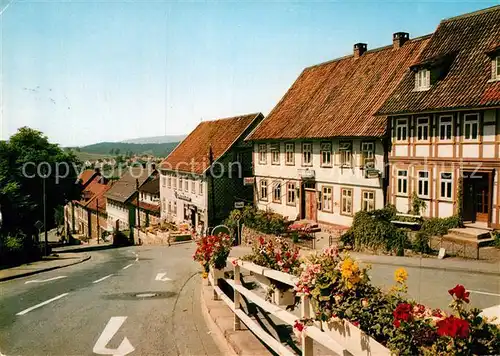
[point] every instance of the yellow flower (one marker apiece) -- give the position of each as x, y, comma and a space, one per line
204, 275
350, 272
400, 275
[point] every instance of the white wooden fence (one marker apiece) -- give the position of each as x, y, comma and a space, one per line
345, 342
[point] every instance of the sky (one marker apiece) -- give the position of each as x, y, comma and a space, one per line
89, 71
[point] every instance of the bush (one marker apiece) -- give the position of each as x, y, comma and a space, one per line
266, 222
375, 230
421, 242
440, 226
120, 239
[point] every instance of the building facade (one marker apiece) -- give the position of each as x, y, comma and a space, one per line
148, 209
445, 123
204, 176
321, 153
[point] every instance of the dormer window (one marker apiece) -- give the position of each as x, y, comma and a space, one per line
422, 79
496, 68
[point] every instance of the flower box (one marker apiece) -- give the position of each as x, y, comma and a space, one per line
353, 338
278, 297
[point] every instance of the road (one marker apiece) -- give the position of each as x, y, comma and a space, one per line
135, 300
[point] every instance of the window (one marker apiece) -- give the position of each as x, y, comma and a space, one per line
169, 182
497, 65
263, 189
495, 68
277, 192
471, 126
422, 79
201, 187
163, 181
423, 184
175, 182
181, 180
193, 186
367, 154
163, 205
345, 150
275, 153
326, 154
307, 153
422, 128
290, 193
445, 127
346, 202
327, 199
290, 153
175, 208
186, 184
401, 129
263, 153
446, 185
368, 200
170, 207
403, 182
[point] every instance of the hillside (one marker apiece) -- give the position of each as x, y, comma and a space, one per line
123, 148
157, 139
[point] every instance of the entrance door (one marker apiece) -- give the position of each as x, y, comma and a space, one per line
310, 208
477, 196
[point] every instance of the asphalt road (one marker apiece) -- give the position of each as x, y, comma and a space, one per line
134, 300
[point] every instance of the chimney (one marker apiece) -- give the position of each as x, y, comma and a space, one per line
399, 39
359, 49
97, 170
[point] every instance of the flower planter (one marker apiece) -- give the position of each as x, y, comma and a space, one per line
279, 297
262, 281
216, 274
353, 338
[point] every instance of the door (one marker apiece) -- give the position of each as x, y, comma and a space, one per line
482, 199
310, 208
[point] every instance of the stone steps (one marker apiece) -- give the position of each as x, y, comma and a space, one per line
470, 233
460, 239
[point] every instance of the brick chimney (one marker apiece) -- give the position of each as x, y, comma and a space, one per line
359, 49
399, 39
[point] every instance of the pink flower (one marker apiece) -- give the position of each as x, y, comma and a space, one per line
364, 302
298, 329
234, 262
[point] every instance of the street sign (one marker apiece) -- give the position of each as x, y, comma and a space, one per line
39, 224
221, 229
248, 180
239, 204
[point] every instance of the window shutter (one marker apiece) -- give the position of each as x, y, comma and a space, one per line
320, 200
494, 69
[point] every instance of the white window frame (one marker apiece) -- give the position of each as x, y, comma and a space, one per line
367, 200
445, 127
277, 192
402, 129
422, 79
186, 184
275, 155
307, 153
345, 151
290, 153
200, 188
346, 201
169, 182
423, 128
193, 186
163, 181
497, 66
174, 213
402, 182
263, 190
326, 154
367, 154
174, 182
262, 153
446, 185
327, 198
423, 184
291, 193
471, 120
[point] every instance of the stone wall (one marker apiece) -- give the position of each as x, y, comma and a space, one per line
249, 235
152, 238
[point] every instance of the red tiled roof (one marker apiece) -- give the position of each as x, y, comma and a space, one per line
192, 154
99, 198
86, 176
125, 187
339, 98
155, 208
466, 40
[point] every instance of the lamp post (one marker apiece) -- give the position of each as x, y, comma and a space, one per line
46, 248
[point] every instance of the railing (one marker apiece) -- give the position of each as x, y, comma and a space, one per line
310, 333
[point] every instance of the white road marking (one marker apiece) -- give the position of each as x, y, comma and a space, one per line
127, 266
42, 304
109, 331
492, 313
485, 293
136, 259
161, 277
102, 279
44, 280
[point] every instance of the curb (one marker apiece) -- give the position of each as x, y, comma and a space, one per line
444, 268
217, 334
26, 274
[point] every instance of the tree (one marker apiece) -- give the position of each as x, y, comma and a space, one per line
111, 151
24, 160
117, 151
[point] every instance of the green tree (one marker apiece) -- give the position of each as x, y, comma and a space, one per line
111, 151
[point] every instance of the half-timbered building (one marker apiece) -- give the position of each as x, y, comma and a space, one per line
445, 122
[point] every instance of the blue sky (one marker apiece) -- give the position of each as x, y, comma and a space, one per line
90, 71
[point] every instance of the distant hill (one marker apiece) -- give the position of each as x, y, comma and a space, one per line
157, 139
123, 148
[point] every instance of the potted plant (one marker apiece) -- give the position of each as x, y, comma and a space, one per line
212, 252
278, 255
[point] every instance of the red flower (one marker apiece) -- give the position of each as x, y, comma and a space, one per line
299, 326
402, 312
261, 240
396, 323
460, 293
355, 323
453, 327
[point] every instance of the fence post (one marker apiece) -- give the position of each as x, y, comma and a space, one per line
237, 297
305, 313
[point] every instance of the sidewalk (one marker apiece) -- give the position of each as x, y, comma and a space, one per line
46, 264
447, 264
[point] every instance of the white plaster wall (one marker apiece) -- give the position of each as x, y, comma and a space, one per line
488, 151
402, 204
471, 151
489, 133
423, 150
116, 212
445, 150
401, 150
445, 209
